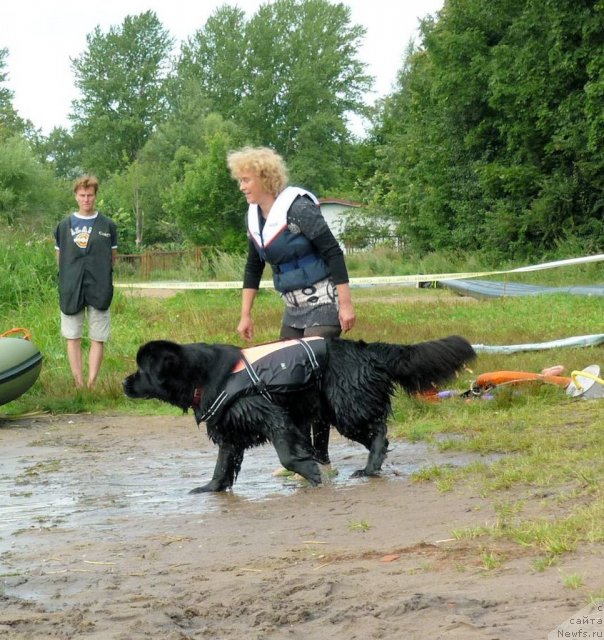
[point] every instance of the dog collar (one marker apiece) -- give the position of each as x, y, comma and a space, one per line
197, 397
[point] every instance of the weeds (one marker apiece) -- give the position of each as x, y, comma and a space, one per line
491, 560
572, 581
362, 526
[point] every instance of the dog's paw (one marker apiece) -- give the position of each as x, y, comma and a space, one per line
363, 473
209, 488
203, 489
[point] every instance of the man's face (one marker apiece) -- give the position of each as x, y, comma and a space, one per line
86, 197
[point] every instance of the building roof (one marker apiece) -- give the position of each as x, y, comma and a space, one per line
345, 203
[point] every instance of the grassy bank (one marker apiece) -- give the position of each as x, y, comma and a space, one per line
390, 314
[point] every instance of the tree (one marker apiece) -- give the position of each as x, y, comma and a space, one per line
10, 122
289, 77
485, 143
302, 60
304, 78
206, 202
28, 191
214, 60
547, 177
128, 197
122, 80
59, 151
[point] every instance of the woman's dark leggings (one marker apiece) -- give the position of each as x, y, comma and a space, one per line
320, 430
324, 331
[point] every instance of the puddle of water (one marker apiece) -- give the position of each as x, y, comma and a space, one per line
85, 490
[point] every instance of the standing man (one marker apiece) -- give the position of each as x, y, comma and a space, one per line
86, 246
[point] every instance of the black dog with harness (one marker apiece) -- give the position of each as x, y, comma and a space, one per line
277, 392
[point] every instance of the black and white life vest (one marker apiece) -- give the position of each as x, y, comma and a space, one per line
291, 255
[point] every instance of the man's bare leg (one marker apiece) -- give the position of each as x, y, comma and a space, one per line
95, 358
74, 354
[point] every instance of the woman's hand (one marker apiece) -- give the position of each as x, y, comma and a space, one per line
245, 328
346, 310
347, 316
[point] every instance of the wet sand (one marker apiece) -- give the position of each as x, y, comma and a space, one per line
100, 539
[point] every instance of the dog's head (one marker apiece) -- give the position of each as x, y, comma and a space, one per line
160, 368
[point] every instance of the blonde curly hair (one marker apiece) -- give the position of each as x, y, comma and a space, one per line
267, 165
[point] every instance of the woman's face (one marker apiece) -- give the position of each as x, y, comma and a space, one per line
251, 187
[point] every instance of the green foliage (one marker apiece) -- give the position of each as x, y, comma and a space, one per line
59, 152
488, 141
29, 273
28, 192
289, 77
362, 229
179, 188
206, 202
213, 61
122, 79
133, 199
10, 123
307, 78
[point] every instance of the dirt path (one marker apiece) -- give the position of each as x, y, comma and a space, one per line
99, 539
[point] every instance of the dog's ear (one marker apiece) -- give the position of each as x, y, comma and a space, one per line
162, 358
170, 363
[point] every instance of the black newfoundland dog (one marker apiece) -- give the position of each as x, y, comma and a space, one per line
275, 392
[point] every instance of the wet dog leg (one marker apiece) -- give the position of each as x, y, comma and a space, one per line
297, 455
378, 447
226, 469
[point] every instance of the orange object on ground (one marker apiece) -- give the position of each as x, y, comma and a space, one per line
556, 370
429, 395
495, 378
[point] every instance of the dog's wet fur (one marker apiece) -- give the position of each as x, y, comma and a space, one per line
353, 394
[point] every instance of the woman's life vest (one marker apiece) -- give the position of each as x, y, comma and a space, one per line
290, 253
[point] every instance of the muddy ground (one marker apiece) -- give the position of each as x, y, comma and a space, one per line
99, 539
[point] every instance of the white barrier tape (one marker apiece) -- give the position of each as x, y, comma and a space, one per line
591, 340
234, 284
370, 281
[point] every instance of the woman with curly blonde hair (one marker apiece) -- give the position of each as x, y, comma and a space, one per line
286, 229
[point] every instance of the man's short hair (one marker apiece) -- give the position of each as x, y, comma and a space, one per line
85, 182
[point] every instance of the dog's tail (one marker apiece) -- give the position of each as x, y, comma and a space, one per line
423, 366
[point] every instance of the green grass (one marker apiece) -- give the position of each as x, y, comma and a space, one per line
398, 315
360, 526
537, 454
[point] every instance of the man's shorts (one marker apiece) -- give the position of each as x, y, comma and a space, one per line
99, 324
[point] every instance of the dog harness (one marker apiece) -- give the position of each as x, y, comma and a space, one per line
275, 367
